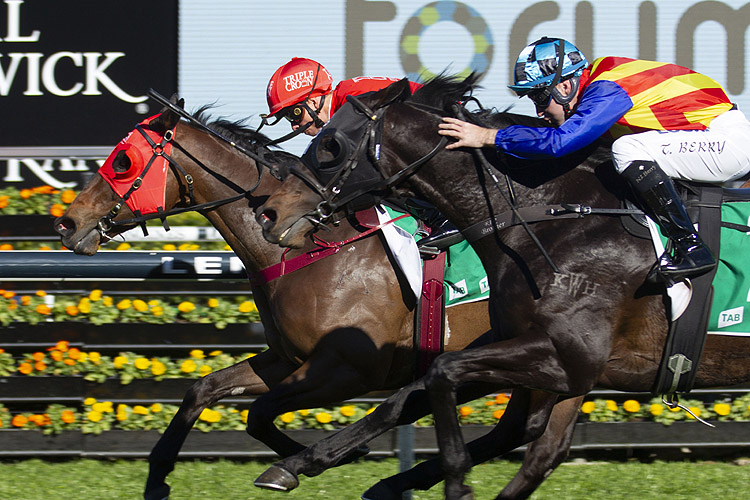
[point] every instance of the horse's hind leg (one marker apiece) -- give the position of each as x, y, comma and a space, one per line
241, 378
532, 360
546, 453
523, 421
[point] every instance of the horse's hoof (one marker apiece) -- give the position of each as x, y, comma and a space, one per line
381, 491
277, 478
160, 493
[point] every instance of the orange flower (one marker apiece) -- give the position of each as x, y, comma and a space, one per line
67, 196
37, 419
6, 246
465, 411
19, 421
501, 399
61, 346
498, 413
37, 356
40, 293
25, 300
13, 306
39, 366
25, 368
74, 353
25, 194
71, 311
46, 189
56, 355
56, 210
8, 294
43, 309
68, 416
69, 362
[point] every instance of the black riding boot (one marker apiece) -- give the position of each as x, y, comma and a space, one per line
662, 203
440, 227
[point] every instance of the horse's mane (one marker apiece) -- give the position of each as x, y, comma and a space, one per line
238, 132
443, 91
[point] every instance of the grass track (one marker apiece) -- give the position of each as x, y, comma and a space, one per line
222, 479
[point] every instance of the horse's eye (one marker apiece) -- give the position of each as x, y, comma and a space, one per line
121, 164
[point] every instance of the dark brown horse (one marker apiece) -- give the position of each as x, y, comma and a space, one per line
593, 321
336, 329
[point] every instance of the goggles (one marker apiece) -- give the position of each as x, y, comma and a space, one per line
541, 98
294, 114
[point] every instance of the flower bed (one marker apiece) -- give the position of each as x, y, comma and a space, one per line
99, 309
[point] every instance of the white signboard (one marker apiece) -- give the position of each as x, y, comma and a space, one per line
230, 48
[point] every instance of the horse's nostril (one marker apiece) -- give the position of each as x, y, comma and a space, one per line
64, 225
267, 218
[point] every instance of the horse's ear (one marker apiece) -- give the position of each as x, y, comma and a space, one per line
167, 118
397, 91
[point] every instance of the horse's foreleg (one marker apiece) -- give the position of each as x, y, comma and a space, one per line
241, 378
546, 453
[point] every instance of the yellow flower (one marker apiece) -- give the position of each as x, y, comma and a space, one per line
95, 357
197, 354
142, 363
140, 305
124, 304
89, 401
588, 407
169, 247
156, 408
213, 303
370, 410
304, 413
631, 406
121, 416
656, 409
243, 416
140, 410
323, 417
347, 410
209, 415
121, 408
95, 295
108, 301
722, 409
247, 307
153, 302
205, 370
158, 368
84, 306
287, 417
185, 307
188, 366
99, 407
120, 361
696, 411
611, 405
157, 311
215, 353
123, 246
94, 416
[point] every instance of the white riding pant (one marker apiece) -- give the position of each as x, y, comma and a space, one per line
715, 155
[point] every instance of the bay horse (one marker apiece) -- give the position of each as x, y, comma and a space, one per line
578, 314
336, 329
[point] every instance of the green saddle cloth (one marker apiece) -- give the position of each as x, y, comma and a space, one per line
465, 278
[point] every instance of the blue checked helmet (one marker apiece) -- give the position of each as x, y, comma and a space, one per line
545, 63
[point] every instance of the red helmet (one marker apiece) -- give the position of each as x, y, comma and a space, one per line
295, 81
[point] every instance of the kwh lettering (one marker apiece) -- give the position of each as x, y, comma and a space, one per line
575, 284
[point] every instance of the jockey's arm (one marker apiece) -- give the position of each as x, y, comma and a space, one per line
602, 104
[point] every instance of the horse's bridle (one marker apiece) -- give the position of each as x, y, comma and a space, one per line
159, 150
369, 141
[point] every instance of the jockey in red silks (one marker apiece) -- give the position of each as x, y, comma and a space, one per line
302, 92
665, 121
